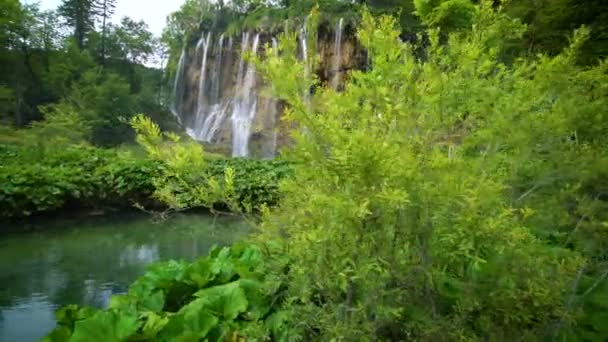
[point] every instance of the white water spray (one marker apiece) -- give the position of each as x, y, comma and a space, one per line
216, 111
200, 105
245, 104
337, 58
178, 86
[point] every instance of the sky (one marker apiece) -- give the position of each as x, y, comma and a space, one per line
153, 12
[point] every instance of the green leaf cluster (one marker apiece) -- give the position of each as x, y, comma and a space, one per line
229, 295
34, 181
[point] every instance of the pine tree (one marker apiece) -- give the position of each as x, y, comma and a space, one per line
80, 15
104, 9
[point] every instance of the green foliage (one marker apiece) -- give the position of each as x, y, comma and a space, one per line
40, 66
34, 181
550, 23
181, 183
256, 182
105, 100
131, 41
447, 14
37, 178
188, 180
229, 295
49, 166
440, 199
62, 127
80, 15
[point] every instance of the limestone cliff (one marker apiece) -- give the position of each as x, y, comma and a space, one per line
220, 99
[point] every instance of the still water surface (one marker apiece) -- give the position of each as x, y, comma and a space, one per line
85, 261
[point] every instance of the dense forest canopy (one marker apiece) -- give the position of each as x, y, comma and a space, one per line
549, 22
75, 59
455, 188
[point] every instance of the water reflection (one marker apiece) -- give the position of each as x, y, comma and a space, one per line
86, 261
135, 255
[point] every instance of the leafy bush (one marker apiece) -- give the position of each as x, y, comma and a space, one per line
438, 198
256, 182
34, 180
230, 295
187, 179
71, 176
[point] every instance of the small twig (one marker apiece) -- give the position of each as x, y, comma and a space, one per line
527, 193
596, 284
575, 230
349, 297
570, 302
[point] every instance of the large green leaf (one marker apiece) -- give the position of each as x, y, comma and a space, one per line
105, 326
259, 304
227, 300
60, 334
222, 266
153, 302
154, 324
192, 324
200, 272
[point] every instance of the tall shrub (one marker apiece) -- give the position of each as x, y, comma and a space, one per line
409, 213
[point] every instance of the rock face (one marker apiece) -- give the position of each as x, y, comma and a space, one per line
221, 100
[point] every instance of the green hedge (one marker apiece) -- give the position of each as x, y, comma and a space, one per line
35, 181
256, 181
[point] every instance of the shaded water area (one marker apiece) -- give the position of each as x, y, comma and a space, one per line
84, 261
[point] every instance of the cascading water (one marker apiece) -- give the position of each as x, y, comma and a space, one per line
199, 44
215, 83
178, 86
304, 47
271, 111
245, 103
194, 129
337, 58
217, 71
200, 104
217, 110
304, 51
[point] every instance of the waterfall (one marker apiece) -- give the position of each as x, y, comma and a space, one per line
275, 45
200, 105
178, 86
217, 71
337, 58
199, 117
271, 111
244, 44
226, 89
304, 47
217, 110
304, 50
199, 44
245, 104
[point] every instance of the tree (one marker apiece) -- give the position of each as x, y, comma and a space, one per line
80, 15
550, 23
105, 9
131, 41
11, 14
